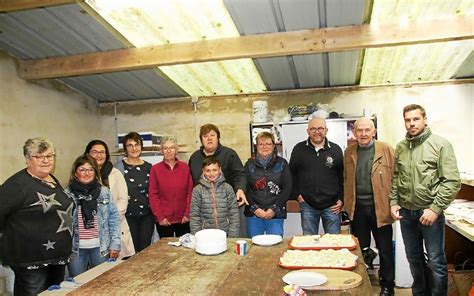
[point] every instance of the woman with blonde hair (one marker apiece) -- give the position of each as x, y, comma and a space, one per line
268, 188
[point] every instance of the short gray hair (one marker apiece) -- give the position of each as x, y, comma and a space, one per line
358, 121
168, 138
36, 145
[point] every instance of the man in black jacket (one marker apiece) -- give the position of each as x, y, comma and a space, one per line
316, 165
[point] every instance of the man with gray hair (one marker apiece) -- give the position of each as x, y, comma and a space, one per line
368, 167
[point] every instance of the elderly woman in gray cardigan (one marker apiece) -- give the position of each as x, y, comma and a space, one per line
213, 203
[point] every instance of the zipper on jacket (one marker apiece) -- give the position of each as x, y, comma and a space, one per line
214, 204
412, 170
266, 180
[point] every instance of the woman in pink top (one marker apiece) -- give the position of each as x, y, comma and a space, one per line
171, 186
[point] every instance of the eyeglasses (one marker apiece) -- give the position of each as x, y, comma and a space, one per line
84, 170
265, 144
49, 157
317, 129
96, 152
136, 145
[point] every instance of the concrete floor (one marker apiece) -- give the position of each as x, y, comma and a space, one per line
6, 282
376, 287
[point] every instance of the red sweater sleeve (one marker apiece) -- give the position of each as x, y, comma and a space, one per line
153, 195
189, 192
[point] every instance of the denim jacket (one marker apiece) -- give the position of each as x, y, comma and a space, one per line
108, 219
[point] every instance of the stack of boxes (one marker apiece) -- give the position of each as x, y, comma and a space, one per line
149, 139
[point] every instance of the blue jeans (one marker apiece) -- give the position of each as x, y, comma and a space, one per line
430, 277
256, 226
34, 281
87, 258
310, 220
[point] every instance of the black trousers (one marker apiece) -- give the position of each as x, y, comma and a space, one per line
34, 281
173, 230
141, 228
365, 221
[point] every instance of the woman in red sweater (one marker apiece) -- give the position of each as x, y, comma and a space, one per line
171, 186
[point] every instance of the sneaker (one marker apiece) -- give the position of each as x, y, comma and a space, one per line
385, 291
369, 256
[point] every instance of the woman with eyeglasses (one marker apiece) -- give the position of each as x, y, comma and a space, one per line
96, 220
268, 188
36, 221
137, 173
171, 186
114, 180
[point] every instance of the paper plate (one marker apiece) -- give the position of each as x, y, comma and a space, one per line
305, 278
266, 239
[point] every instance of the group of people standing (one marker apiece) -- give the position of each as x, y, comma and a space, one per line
109, 212
377, 185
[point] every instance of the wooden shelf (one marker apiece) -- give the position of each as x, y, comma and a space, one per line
155, 150
463, 228
459, 235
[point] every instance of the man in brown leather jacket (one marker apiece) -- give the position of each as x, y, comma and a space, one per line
368, 167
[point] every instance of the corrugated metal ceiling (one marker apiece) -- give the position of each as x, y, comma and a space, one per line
69, 29
303, 71
423, 62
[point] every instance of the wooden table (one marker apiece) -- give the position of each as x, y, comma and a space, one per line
167, 270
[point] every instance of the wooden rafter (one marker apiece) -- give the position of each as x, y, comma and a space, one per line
251, 46
15, 5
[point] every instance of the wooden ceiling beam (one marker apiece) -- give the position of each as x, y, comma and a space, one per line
251, 46
16, 5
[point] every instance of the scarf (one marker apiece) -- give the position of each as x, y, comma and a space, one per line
264, 162
105, 172
87, 195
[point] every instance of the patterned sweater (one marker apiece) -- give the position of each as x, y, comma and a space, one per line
36, 221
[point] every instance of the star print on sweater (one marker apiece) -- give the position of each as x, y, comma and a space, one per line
49, 245
66, 219
46, 201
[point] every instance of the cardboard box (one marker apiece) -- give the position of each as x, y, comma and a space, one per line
149, 139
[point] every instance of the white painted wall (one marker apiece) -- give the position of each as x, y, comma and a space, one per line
46, 109
70, 120
450, 112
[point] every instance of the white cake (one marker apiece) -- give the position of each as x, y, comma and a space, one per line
211, 241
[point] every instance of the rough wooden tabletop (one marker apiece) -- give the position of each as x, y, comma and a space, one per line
167, 270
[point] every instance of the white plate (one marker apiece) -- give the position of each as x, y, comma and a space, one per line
266, 239
209, 253
305, 278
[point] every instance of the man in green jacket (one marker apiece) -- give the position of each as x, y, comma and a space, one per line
425, 181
